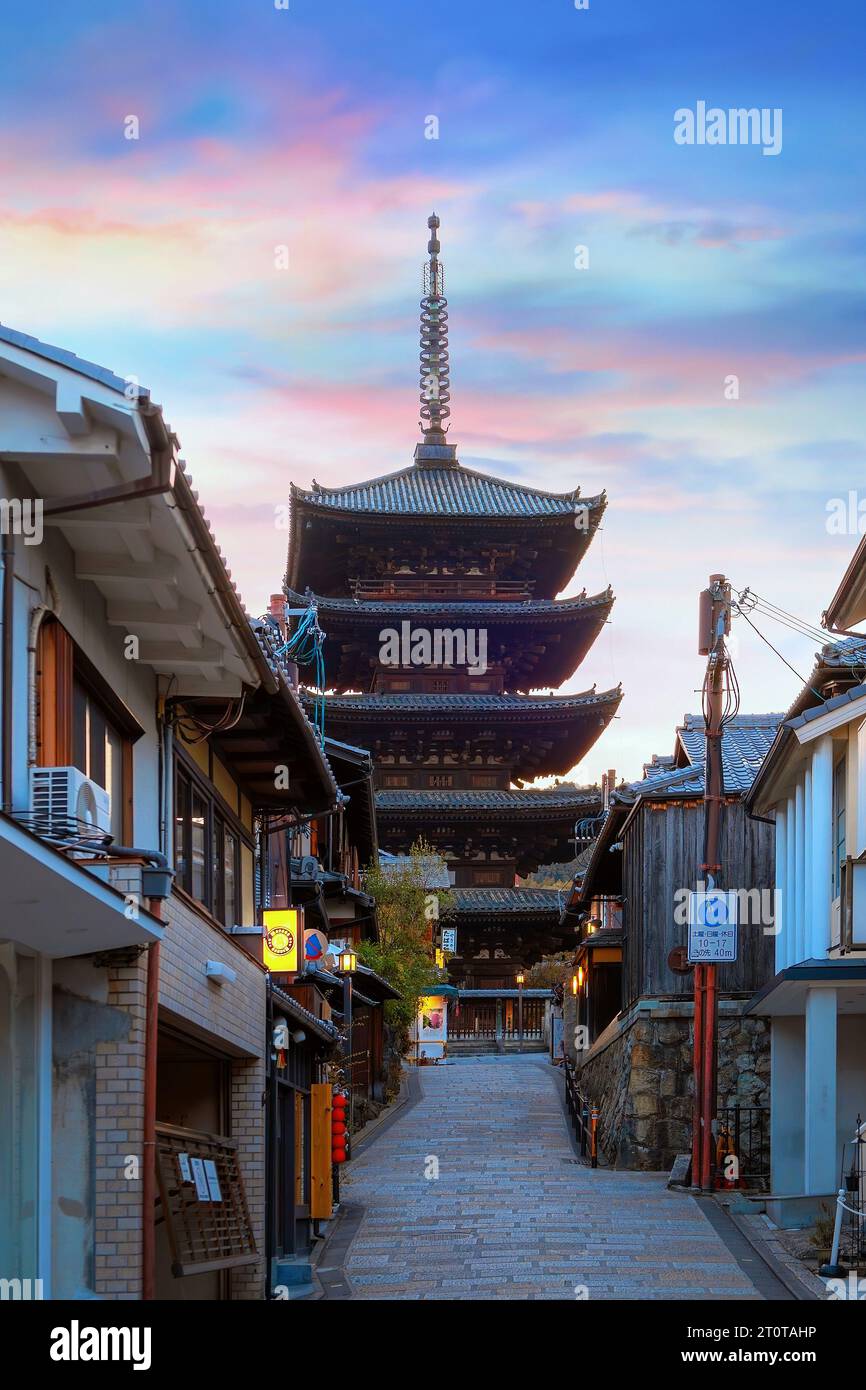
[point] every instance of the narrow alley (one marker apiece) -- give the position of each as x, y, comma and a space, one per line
474, 1191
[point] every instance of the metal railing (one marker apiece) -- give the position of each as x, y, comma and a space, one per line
743, 1133
584, 1117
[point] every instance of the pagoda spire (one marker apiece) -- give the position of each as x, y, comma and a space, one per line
435, 378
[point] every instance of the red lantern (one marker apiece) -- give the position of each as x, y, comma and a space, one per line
339, 1102
338, 1127
339, 1155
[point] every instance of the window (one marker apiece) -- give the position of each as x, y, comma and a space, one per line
440, 779
395, 779
839, 804
206, 851
485, 779
82, 723
97, 749
439, 687
224, 860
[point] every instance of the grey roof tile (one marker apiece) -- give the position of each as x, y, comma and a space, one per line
496, 900
525, 610
472, 704
65, 358
446, 491
746, 741
533, 800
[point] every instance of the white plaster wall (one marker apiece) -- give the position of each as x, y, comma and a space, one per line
82, 613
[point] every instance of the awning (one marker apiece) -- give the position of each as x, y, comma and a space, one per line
56, 907
440, 991
785, 995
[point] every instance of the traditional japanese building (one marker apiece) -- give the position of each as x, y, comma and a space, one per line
435, 594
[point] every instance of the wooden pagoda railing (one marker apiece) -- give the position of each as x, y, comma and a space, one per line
455, 587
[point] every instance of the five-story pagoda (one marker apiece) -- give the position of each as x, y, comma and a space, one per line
436, 589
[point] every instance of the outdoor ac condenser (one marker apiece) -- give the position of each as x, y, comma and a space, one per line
65, 802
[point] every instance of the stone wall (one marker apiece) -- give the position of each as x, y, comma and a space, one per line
639, 1074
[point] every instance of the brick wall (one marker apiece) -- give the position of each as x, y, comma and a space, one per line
119, 1124
233, 1016
119, 1141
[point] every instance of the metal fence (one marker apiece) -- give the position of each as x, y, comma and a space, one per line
743, 1133
583, 1116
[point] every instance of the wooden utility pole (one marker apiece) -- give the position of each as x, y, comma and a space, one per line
714, 625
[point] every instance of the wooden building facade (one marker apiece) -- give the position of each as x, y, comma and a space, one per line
629, 906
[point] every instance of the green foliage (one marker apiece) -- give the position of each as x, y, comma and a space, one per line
551, 970
403, 953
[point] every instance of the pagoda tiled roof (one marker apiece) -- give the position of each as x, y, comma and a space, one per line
523, 610
533, 801
450, 490
471, 704
480, 901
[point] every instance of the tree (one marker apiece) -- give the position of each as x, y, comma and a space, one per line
550, 971
402, 952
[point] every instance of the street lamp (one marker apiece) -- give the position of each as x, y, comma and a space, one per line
347, 963
520, 979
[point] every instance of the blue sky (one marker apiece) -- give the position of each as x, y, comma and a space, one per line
305, 128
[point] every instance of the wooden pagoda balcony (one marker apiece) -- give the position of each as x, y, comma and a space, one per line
456, 587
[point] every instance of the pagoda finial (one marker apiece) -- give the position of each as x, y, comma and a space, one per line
435, 381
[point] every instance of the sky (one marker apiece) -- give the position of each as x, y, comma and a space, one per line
254, 257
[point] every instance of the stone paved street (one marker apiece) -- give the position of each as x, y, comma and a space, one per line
512, 1215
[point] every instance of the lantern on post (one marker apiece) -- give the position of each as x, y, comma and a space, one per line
347, 964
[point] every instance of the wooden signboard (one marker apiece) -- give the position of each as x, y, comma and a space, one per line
321, 1177
202, 1201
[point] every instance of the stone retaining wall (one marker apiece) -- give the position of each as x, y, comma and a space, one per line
639, 1074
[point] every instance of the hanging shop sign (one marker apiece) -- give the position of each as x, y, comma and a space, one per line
315, 946
449, 939
712, 927
280, 940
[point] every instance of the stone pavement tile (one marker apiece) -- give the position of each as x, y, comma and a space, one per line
510, 1215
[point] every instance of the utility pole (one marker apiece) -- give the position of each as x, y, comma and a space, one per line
714, 625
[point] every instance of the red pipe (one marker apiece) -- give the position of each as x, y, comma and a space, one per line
148, 1184
708, 1097
697, 1064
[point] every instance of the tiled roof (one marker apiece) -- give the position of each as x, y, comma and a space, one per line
526, 610
849, 652
745, 743
449, 705
288, 1005
531, 800
446, 491
494, 900
64, 358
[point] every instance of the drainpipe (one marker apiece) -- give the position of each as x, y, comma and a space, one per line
151, 1035
8, 552
148, 1185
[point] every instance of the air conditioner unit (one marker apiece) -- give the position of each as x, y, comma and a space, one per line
63, 802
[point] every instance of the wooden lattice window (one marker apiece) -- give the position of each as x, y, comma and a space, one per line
202, 1201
